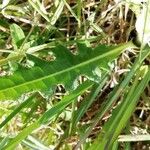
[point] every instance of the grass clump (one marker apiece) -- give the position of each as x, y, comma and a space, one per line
74, 75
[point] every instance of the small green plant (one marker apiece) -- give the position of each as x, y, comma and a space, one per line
70, 78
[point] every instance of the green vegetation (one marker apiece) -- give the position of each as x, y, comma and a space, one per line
74, 75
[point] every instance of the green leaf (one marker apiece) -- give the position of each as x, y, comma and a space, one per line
17, 36
67, 67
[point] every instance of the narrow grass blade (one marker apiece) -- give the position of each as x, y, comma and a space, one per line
89, 100
121, 115
134, 138
115, 146
18, 109
31, 142
15, 141
48, 115
71, 11
38, 7
57, 13
115, 94
3, 142
65, 101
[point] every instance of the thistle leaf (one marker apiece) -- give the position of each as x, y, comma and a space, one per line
63, 70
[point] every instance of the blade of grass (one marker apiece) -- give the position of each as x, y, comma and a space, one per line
32, 142
18, 109
3, 142
38, 7
71, 11
79, 9
53, 44
133, 138
36, 142
65, 101
121, 114
115, 94
48, 115
31, 145
26, 131
25, 40
127, 145
115, 145
89, 100
57, 13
